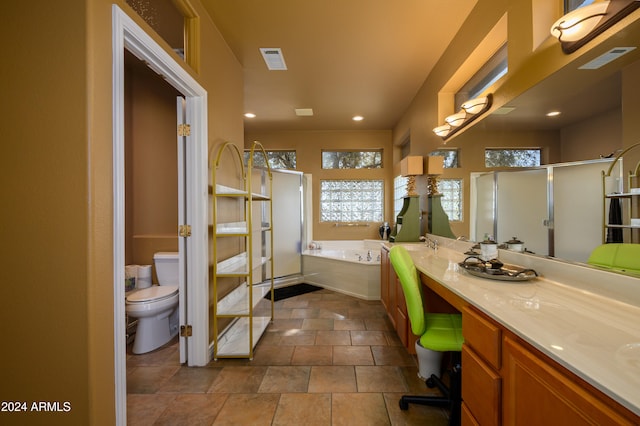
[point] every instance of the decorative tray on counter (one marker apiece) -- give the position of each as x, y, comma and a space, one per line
496, 270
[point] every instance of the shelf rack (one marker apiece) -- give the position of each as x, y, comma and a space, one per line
629, 193
238, 287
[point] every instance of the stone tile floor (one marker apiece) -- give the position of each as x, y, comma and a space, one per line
327, 359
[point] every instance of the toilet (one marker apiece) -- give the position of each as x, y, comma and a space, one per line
156, 307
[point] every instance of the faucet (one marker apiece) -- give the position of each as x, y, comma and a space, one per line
431, 243
369, 256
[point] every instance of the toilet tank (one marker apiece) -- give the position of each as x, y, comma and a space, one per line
167, 267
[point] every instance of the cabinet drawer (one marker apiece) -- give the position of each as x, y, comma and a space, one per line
481, 388
482, 335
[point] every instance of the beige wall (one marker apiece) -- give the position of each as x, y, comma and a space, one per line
151, 160
57, 251
309, 145
45, 199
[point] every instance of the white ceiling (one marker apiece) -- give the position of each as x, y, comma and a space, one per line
344, 57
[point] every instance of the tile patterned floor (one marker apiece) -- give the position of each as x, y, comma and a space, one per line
327, 359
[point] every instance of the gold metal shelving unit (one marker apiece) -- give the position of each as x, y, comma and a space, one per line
238, 287
631, 193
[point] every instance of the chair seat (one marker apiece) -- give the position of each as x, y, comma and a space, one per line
443, 333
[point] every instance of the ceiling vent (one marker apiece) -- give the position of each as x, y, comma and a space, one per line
605, 58
273, 58
304, 112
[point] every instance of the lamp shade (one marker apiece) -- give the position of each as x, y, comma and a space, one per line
456, 119
474, 106
579, 23
435, 165
442, 130
411, 165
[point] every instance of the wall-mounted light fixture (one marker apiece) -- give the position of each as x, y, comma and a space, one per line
454, 120
578, 27
471, 110
443, 130
410, 167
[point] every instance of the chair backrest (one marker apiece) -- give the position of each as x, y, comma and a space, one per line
618, 256
408, 276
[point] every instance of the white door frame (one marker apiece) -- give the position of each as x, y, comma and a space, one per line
128, 35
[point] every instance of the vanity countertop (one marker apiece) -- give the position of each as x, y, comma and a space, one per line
595, 336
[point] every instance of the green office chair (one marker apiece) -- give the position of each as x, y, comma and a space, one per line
438, 332
620, 257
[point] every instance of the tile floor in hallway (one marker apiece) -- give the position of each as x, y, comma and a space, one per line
327, 359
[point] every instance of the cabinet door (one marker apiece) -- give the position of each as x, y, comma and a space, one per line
536, 391
481, 387
466, 418
385, 264
393, 285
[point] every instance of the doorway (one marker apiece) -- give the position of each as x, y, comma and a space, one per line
127, 35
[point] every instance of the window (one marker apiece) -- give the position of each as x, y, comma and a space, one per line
503, 157
450, 157
352, 159
165, 18
571, 5
277, 159
451, 190
351, 200
489, 73
399, 192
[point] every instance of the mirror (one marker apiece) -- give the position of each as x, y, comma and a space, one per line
584, 96
556, 210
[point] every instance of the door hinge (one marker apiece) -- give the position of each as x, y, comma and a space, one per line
184, 230
185, 331
184, 130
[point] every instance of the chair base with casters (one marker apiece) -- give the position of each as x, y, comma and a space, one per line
451, 396
438, 332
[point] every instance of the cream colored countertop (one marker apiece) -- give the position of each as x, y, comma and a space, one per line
596, 336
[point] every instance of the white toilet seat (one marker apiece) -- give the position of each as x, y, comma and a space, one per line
155, 293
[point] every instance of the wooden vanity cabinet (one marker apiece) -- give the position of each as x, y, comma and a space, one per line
507, 381
392, 298
532, 382
481, 363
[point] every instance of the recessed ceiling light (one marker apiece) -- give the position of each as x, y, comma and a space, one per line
357, 118
553, 114
250, 115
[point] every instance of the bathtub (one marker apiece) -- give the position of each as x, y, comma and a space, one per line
349, 267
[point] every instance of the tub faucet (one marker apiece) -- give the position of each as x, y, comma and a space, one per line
369, 256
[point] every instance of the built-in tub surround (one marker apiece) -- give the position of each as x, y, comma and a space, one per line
583, 318
349, 267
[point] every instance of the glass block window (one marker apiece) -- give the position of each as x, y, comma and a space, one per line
507, 157
352, 159
450, 157
351, 200
451, 190
277, 159
399, 192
